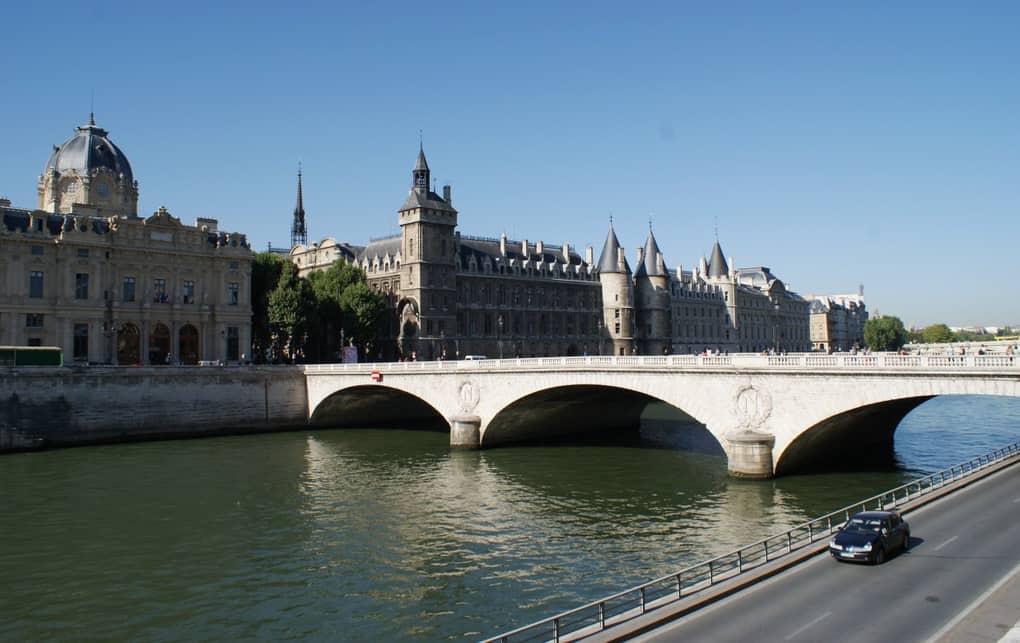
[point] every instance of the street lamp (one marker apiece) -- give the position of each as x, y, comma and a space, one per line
600, 337
499, 337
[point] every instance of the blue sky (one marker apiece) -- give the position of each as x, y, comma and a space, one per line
838, 145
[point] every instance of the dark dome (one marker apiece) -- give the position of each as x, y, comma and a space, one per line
90, 149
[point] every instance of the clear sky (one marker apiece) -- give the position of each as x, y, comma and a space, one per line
855, 143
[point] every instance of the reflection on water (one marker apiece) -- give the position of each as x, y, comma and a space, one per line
387, 534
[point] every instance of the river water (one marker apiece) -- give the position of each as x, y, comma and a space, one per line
350, 534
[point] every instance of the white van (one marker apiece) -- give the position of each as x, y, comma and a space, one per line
475, 357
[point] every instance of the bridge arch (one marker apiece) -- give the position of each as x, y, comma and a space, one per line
373, 406
594, 412
857, 436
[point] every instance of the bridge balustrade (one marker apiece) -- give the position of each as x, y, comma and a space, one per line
693, 362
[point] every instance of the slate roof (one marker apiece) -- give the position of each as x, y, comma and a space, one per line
608, 259
90, 149
649, 266
716, 264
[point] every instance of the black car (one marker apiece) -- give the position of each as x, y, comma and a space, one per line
869, 536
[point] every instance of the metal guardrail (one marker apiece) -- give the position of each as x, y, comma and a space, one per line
811, 361
623, 606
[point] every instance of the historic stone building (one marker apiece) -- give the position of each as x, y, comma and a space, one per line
84, 272
837, 321
455, 295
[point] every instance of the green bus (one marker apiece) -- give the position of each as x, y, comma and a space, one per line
31, 356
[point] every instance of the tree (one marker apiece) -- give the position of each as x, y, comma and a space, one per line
289, 311
265, 274
936, 334
363, 310
884, 333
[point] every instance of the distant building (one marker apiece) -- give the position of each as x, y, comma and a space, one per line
837, 321
84, 272
455, 295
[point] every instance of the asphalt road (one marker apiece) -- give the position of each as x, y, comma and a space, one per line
961, 546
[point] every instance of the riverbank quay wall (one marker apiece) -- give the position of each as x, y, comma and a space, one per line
69, 406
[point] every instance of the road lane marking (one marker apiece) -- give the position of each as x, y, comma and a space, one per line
809, 625
945, 543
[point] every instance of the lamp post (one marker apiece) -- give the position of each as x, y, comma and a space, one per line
600, 337
499, 336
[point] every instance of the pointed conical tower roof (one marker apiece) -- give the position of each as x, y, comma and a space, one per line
649, 261
717, 267
421, 164
298, 233
608, 260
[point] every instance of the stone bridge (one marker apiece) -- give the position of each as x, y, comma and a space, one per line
770, 414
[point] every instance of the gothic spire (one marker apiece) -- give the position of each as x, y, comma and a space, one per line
298, 233
609, 260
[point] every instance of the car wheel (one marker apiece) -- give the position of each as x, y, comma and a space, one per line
880, 556
906, 541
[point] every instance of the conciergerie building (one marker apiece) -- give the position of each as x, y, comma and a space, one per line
84, 272
455, 294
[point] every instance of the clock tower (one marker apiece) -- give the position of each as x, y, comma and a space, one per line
427, 272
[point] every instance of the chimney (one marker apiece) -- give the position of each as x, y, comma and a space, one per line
539, 248
524, 248
589, 254
621, 259
640, 255
447, 196
502, 245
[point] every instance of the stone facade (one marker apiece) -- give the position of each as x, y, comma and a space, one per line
85, 273
837, 322
455, 295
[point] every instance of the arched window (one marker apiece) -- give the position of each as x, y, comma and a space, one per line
159, 345
187, 345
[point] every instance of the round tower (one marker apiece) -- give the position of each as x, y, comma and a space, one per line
617, 299
652, 302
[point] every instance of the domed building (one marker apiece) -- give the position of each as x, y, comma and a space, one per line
83, 272
88, 170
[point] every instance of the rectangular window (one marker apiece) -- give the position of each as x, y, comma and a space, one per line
128, 293
81, 342
232, 290
37, 250
233, 343
189, 292
81, 285
34, 320
232, 265
159, 291
83, 252
35, 284
34, 341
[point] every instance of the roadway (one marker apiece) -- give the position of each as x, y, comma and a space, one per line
963, 547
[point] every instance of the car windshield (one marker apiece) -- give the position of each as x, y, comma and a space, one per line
862, 525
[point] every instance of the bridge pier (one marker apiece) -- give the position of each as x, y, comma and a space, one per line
465, 432
750, 454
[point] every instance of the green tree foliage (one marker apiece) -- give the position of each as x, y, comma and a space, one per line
306, 317
265, 274
884, 333
364, 310
291, 305
937, 334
